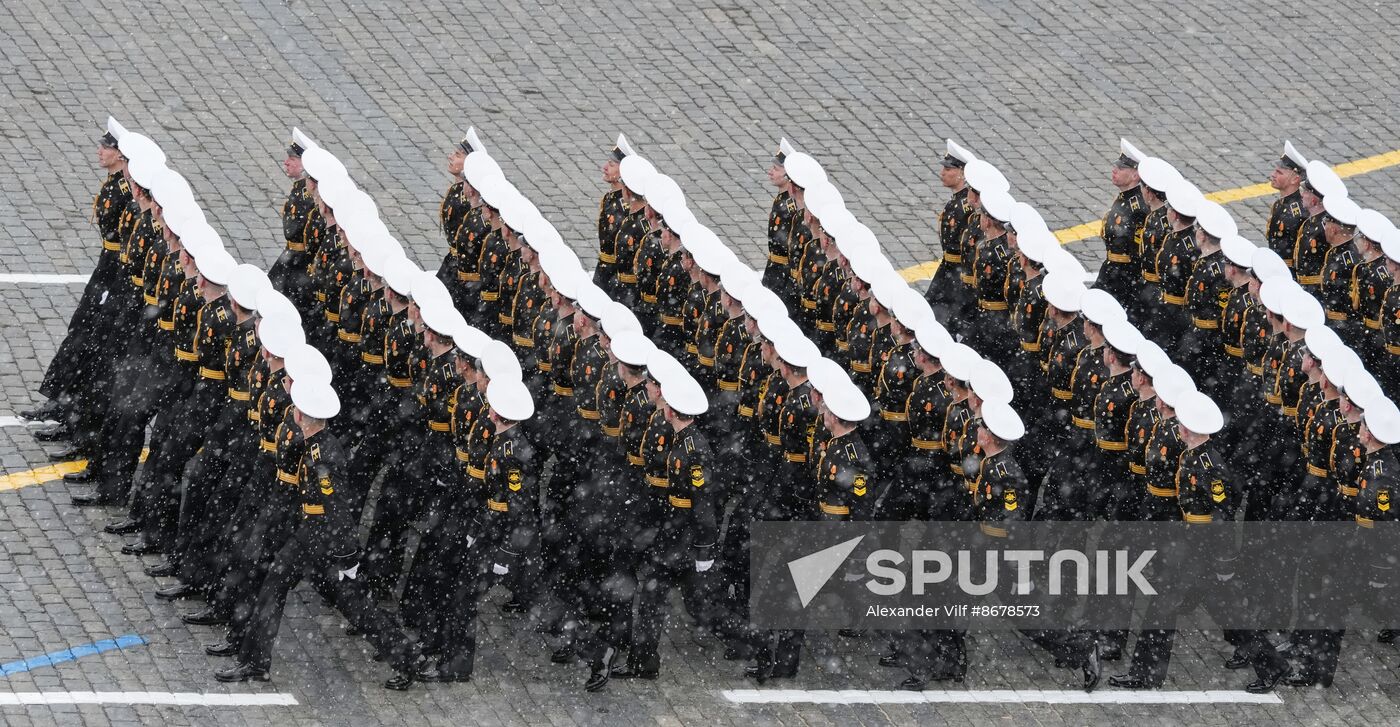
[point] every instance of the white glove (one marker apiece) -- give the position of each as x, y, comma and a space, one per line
104, 298
703, 565
1224, 577
350, 572
470, 540
499, 569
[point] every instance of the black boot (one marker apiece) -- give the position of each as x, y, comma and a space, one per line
57, 433
82, 476
602, 671
242, 673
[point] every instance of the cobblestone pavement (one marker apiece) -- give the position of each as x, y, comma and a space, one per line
871, 88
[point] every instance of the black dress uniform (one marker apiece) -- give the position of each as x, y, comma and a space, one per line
925, 463
686, 535
1389, 370
946, 293
1206, 294
387, 424
323, 545
991, 267
1112, 411
777, 274
506, 533
611, 212
1086, 381
649, 262
888, 433
1205, 494
1337, 291
634, 230
672, 293
825, 291
288, 273
861, 334
88, 324
1370, 282
491, 265
467, 243
451, 213
1155, 228
1285, 217
1174, 265
1310, 251
731, 345
1122, 235
214, 326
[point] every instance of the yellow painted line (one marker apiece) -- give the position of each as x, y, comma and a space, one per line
47, 473
924, 271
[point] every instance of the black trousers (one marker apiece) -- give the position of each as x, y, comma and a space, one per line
308, 554
87, 331
439, 557
400, 500
179, 438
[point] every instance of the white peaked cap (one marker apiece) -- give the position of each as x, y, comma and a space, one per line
826, 375
1374, 226
1324, 180
441, 317
990, 383
1383, 420
305, 363
785, 147
956, 151
1002, 421
217, 266
322, 165
474, 141
619, 320
145, 172
1267, 264
985, 178
633, 349
803, 170
1063, 292
1172, 383
316, 399
279, 336
1158, 173
1001, 206
1100, 307
499, 363
272, 304
662, 365
510, 399
1238, 250
684, 395
1292, 153
115, 128
1342, 209
624, 146
399, 275
1303, 310
933, 338
471, 340
1185, 198
480, 170
1151, 358
245, 284
846, 402
1123, 336
1127, 149
428, 290
302, 140
1213, 218
1199, 413
636, 173
960, 361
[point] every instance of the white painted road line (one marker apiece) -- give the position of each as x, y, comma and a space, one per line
192, 699
994, 696
42, 279
17, 422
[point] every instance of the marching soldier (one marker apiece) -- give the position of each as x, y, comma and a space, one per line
288, 273
324, 548
1286, 214
456, 206
611, 213
1336, 291
85, 328
1372, 281
1122, 227
1207, 292
777, 273
1175, 262
1157, 176
943, 292
1310, 247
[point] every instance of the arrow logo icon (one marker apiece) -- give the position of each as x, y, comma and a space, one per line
811, 572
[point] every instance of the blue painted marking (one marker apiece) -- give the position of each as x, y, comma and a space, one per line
76, 652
